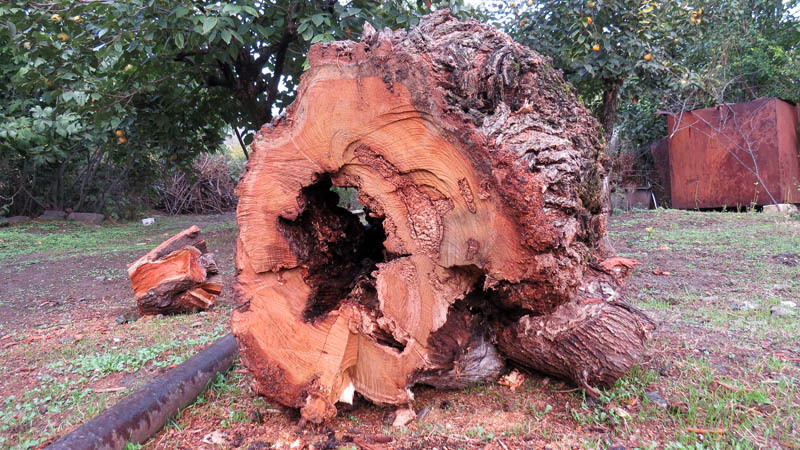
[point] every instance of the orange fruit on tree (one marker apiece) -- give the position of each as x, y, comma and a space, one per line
596, 47
122, 140
589, 20
63, 36
119, 133
648, 57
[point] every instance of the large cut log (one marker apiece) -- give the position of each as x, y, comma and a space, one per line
177, 276
483, 182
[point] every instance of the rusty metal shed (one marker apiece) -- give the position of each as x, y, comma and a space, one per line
734, 154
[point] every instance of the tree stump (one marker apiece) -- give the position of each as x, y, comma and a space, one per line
483, 182
177, 276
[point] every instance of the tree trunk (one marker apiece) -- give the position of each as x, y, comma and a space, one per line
177, 276
485, 194
609, 109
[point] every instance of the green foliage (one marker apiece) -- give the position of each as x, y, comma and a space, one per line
99, 365
749, 49
172, 76
630, 58
601, 44
75, 77
169, 76
480, 433
624, 31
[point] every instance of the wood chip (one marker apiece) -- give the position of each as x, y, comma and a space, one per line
110, 389
403, 417
707, 430
513, 380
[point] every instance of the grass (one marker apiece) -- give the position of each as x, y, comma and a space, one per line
719, 261
64, 239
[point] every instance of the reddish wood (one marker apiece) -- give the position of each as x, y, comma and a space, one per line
482, 179
177, 276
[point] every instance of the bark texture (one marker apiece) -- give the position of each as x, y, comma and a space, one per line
483, 182
177, 276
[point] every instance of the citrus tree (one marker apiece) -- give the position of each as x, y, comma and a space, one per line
86, 114
749, 49
101, 95
599, 44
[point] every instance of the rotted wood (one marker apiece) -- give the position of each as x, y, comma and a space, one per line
180, 275
483, 182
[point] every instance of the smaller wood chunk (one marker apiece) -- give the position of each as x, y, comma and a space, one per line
403, 417
177, 276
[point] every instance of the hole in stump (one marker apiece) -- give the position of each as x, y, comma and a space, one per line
338, 249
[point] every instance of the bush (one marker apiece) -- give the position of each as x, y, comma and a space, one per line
207, 189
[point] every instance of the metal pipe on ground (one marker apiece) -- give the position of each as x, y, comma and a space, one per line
145, 412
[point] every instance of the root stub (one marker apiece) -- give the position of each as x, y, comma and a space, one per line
483, 195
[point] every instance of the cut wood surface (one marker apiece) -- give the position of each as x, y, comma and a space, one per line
482, 180
177, 276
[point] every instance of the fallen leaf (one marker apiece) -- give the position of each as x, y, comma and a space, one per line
621, 412
611, 264
785, 356
513, 379
661, 272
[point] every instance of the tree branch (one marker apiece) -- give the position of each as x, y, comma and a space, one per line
241, 142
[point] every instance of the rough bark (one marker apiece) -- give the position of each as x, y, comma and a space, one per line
486, 196
177, 276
